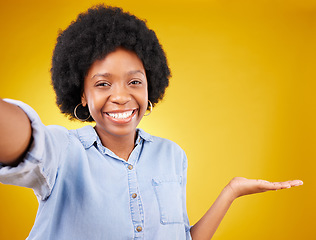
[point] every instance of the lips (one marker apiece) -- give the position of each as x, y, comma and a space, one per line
121, 116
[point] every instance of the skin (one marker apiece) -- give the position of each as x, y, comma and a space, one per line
114, 85
15, 132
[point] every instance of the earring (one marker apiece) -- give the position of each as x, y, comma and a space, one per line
75, 113
151, 108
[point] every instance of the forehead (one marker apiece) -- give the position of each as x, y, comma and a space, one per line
119, 61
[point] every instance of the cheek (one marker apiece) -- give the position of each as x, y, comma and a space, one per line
94, 103
144, 103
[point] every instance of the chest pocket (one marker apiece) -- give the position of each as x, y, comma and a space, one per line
169, 196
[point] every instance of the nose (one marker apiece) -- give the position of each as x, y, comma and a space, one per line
120, 95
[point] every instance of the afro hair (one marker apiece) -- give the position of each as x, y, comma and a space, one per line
96, 33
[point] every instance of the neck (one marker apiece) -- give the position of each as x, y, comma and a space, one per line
122, 146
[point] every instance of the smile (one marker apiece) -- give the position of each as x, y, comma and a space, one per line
121, 115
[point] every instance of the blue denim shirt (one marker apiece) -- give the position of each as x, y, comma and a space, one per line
86, 192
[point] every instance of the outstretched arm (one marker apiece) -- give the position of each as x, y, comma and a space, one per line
205, 228
15, 132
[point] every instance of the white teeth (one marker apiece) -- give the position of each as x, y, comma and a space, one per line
121, 115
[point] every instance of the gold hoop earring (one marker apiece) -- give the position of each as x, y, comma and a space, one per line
151, 108
75, 113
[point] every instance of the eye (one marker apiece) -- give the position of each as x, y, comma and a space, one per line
135, 82
102, 84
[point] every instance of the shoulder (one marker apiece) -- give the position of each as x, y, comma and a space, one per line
164, 154
162, 145
166, 142
55, 133
83, 132
58, 129
155, 140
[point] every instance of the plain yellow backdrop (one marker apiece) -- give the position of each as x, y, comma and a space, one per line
241, 101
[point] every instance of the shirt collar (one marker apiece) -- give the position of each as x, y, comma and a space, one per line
88, 136
146, 136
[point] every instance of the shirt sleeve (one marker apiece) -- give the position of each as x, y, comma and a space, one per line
38, 170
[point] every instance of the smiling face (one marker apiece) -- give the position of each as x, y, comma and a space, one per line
115, 90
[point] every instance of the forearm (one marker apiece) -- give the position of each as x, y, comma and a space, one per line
15, 132
205, 228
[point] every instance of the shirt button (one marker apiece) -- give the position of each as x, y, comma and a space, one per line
139, 229
130, 167
134, 195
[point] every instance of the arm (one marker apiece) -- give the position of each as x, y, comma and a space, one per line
205, 228
15, 132
46, 148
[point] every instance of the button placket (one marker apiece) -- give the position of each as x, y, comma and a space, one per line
135, 201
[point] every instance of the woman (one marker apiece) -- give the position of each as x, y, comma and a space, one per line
111, 181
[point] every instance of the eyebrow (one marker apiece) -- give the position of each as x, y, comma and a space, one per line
134, 72
109, 74
101, 75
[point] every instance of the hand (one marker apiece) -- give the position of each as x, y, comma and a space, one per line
240, 186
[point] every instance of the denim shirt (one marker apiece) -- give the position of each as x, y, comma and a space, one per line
86, 192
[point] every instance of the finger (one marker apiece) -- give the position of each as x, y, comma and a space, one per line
287, 184
274, 185
281, 185
295, 183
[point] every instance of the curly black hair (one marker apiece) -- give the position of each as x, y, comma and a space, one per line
96, 33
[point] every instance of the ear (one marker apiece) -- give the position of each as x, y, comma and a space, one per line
83, 100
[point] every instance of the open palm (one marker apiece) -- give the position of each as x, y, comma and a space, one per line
242, 186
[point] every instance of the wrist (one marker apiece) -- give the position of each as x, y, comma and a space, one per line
229, 193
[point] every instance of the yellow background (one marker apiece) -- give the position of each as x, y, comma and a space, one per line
241, 101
